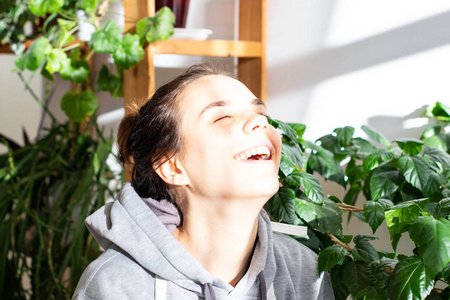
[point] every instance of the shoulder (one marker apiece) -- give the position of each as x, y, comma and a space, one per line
113, 274
297, 264
293, 250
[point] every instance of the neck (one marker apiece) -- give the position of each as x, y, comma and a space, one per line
221, 239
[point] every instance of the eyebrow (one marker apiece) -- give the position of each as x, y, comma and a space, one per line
222, 103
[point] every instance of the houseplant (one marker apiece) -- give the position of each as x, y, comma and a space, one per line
49, 186
406, 183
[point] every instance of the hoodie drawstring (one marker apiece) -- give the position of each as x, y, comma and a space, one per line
262, 286
209, 292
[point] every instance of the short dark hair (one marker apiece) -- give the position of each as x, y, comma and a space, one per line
149, 137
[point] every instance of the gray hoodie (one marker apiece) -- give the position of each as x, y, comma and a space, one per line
140, 250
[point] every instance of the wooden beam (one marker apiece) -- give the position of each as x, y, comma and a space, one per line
252, 27
139, 80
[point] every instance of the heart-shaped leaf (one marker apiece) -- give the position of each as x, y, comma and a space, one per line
374, 212
331, 256
410, 280
130, 51
376, 135
344, 135
159, 27
35, 55
42, 7
283, 204
78, 106
433, 238
106, 39
326, 218
383, 182
410, 146
310, 183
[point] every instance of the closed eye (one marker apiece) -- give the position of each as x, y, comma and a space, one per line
222, 118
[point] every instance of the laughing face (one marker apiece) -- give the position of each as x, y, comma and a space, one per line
230, 150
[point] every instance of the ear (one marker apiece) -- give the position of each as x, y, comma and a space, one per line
172, 172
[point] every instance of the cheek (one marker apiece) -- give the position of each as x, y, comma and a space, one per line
275, 138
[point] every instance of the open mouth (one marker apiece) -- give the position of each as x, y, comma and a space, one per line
257, 153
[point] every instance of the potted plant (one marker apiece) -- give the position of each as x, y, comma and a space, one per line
49, 186
406, 184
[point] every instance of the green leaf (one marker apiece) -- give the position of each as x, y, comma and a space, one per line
445, 203
400, 216
410, 146
376, 158
364, 146
433, 238
288, 131
374, 212
326, 218
76, 72
323, 161
344, 135
310, 184
292, 157
107, 39
330, 257
88, 5
363, 249
437, 155
417, 171
110, 82
376, 135
54, 59
283, 204
410, 280
66, 27
383, 182
375, 292
159, 27
381, 268
78, 106
299, 129
439, 111
35, 55
42, 7
356, 278
437, 141
130, 51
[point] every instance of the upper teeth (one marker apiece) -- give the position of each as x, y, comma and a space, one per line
263, 151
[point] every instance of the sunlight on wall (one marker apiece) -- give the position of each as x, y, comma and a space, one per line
381, 96
356, 20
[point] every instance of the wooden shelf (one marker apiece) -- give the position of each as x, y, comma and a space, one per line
250, 49
219, 48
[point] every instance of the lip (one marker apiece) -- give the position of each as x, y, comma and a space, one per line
268, 145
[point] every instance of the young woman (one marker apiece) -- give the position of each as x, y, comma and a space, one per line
190, 224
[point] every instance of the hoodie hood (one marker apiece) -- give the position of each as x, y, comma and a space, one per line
143, 229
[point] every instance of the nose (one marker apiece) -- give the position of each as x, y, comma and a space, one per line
255, 122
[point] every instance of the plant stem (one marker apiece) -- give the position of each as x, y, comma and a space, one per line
337, 241
71, 47
27, 86
349, 207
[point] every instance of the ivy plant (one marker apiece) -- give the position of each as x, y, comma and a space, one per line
406, 186
57, 50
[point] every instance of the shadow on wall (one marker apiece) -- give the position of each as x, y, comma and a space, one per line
398, 43
409, 126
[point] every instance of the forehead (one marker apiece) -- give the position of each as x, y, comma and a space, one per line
211, 88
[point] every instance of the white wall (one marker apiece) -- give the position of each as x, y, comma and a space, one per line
17, 108
335, 63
